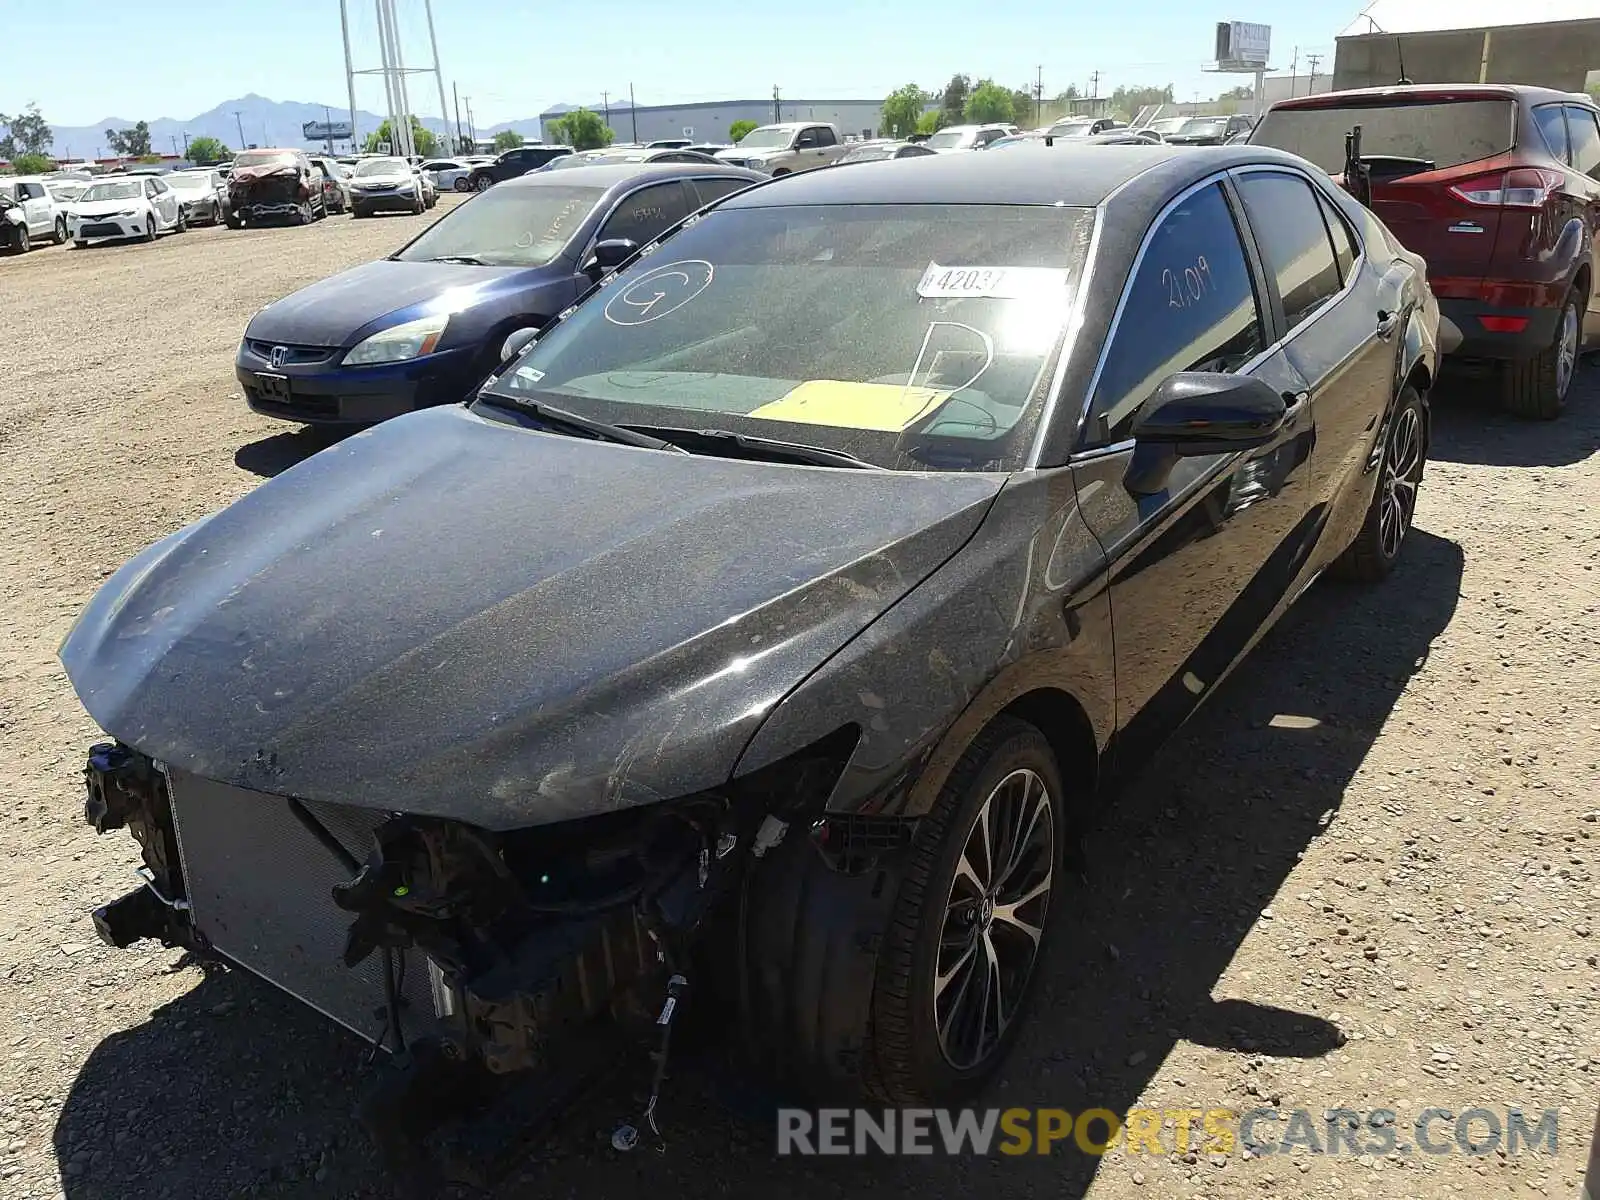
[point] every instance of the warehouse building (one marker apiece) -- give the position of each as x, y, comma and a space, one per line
709, 121
1553, 43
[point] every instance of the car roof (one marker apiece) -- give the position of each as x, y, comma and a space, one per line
609, 175
1067, 176
1425, 91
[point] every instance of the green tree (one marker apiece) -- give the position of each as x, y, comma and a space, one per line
902, 109
29, 163
988, 103
931, 121
423, 140
582, 130
507, 139
1023, 108
738, 129
130, 143
27, 133
1070, 94
208, 150
954, 101
1242, 92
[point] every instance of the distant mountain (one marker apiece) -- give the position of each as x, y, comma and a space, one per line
266, 123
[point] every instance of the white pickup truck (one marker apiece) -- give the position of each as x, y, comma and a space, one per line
786, 148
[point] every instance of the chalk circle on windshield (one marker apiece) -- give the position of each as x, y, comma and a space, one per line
659, 292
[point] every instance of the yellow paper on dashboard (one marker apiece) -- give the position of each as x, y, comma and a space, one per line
886, 407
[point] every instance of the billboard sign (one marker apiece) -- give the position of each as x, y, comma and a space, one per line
322, 131
1243, 43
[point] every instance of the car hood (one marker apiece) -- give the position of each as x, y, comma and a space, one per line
332, 311
380, 180
1195, 139
105, 208
739, 154
454, 616
247, 175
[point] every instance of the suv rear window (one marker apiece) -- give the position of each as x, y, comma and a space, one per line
1446, 133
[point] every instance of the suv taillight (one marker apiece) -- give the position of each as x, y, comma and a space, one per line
1525, 187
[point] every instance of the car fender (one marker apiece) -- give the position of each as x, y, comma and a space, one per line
1014, 610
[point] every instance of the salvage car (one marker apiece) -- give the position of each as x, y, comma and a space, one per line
748, 639
273, 185
31, 214
122, 207
388, 185
426, 324
1498, 187
200, 193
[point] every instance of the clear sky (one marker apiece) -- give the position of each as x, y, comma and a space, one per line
514, 59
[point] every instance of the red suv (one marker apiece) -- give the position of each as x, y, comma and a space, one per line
1498, 187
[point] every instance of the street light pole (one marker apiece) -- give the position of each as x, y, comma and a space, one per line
239, 123
633, 113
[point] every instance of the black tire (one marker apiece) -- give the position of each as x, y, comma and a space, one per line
357, 212
305, 214
418, 206
24, 243
233, 220
79, 245
1536, 389
483, 183
780, 171
463, 184
1394, 504
150, 230
919, 1057
183, 223
61, 231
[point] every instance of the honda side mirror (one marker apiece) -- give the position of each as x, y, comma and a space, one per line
1195, 413
516, 343
608, 255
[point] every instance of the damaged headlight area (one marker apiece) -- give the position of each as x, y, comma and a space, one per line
479, 958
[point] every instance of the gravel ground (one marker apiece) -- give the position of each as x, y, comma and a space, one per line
1364, 878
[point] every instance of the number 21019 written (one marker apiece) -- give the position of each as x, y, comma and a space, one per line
1188, 286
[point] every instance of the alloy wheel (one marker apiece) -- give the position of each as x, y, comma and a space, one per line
1567, 349
1402, 472
994, 918
485, 183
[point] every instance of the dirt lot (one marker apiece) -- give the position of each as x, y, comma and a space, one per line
1389, 905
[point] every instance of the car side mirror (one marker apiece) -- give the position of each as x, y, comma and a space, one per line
608, 255
1196, 413
516, 343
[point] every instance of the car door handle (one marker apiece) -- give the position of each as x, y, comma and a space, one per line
1388, 322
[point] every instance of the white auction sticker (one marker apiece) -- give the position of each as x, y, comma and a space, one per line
1003, 283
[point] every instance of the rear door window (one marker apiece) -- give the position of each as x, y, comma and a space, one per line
1190, 307
716, 189
1553, 129
1584, 132
1293, 237
1446, 133
1344, 244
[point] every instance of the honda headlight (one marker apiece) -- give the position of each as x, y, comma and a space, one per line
402, 342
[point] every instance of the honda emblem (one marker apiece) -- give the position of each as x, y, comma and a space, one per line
278, 355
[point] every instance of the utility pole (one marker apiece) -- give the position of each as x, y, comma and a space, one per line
239, 123
605, 103
438, 75
349, 69
472, 130
777, 109
461, 145
327, 118
174, 145
1311, 86
1094, 86
1294, 72
1038, 95
633, 113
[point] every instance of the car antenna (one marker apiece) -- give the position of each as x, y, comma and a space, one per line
1400, 51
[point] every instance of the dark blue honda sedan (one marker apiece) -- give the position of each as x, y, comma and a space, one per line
425, 325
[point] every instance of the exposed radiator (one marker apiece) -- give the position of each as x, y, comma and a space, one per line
261, 891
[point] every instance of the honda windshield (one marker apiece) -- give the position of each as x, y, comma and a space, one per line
915, 337
520, 226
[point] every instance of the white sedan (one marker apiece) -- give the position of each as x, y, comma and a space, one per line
449, 174
140, 206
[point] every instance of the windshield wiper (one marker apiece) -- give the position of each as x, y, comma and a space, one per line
560, 418
771, 448
469, 259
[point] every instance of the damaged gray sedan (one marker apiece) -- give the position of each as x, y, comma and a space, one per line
747, 640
